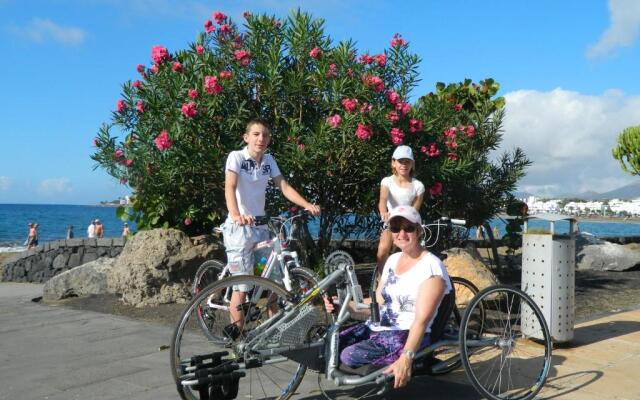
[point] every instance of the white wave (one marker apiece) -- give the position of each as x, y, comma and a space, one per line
12, 249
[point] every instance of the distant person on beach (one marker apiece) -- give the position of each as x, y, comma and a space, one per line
91, 230
32, 240
399, 189
99, 229
70, 232
125, 230
247, 174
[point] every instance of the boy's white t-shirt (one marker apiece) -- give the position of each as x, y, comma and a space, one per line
400, 292
252, 179
401, 196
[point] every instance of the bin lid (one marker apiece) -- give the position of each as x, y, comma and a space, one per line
551, 217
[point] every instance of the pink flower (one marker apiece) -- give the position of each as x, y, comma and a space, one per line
365, 59
154, 69
246, 14
397, 41
199, 49
140, 106
240, 54
140, 68
159, 54
374, 82
163, 141
219, 17
457, 107
333, 71
245, 61
334, 120
471, 130
450, 133
431, 150
187, 221
415, 125
315, 53
392, 97
452, 156
128, 163
349, 104
301, 146
120, 105
208, 26
364, 132
96, 142
225, 28
392, 116
118, 154
329, 173
136, 84
176, 66
403, 107
225, 74
189, 110
436, 189
365, 108
397, 136
452, 144
381, 59
211, 85
193, 93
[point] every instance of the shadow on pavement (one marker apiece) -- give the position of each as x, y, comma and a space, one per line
590, 334
562, 385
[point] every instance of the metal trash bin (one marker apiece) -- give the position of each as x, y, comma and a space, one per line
548, 276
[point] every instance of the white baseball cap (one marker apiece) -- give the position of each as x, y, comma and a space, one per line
402, 152
407, 212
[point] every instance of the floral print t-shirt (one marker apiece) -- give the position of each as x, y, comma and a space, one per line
401, 291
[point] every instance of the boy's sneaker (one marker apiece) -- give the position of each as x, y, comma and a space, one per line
231, 331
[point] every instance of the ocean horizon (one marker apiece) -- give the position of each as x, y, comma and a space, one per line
53, 220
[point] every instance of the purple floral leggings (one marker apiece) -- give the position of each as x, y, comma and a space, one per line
360, 346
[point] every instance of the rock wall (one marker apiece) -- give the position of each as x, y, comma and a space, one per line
51, 258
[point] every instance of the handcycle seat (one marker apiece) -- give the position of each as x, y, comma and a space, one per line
445, 309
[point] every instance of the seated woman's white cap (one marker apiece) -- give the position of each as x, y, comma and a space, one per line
402, 152
407, 212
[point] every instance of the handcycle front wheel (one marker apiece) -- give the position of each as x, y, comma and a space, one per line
511, 357
274, 377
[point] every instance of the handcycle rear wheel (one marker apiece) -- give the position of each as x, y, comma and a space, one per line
276, 377
464, 292
511, 357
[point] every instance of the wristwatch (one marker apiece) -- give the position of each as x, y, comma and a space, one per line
410, 354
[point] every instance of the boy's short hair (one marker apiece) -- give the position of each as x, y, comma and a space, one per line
257, 121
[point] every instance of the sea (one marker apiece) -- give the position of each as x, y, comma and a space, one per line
54, 219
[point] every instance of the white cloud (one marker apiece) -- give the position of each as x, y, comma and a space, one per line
41, 30
55, 186
569, 137
624, 29
5, 183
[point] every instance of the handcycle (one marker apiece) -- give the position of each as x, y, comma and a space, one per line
275, 259
502, 341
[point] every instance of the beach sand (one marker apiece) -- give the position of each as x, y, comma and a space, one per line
6, 256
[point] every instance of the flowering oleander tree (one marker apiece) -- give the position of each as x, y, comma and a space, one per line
336, 115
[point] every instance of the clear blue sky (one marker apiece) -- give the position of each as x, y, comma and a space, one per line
569, 70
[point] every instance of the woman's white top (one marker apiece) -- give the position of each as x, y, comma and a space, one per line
401, 196
400, 292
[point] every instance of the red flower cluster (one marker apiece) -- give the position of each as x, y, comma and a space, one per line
364, 132
333, 71
457, 107
211, 85
208, 26
397, 41
315, 53
374, 82
199, 49
334, 120
193, 93
189, 110
397, 136
159, 54
225, 74
140, 106
392, 97
120, 105
349, 104
163, 141
415, 125
431, 150
243, 56
219, 17
176, 66
136, 84
140, 68
471, 130
436, 189
393, 116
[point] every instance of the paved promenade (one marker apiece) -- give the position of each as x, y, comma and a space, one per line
56, 353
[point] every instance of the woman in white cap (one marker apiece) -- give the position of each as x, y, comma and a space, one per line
413, 283
399, 189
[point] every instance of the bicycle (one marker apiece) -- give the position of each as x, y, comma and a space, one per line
507, 356
275, 260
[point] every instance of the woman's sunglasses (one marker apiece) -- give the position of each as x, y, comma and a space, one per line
407, 227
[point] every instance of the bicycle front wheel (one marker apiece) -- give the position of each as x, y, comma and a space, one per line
511, 357
270, 376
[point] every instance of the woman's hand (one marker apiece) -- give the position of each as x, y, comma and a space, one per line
385, 216
313, 209
242, 219
401, 370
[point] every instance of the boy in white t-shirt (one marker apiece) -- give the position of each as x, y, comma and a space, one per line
247, 174
399, 189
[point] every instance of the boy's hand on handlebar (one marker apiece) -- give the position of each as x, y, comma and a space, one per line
243, 219
313, 209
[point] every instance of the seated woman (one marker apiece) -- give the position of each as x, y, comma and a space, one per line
412, 285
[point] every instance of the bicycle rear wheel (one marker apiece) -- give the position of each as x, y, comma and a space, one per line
269, 376
511, 357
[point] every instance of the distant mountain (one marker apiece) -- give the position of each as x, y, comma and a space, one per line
631, 191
